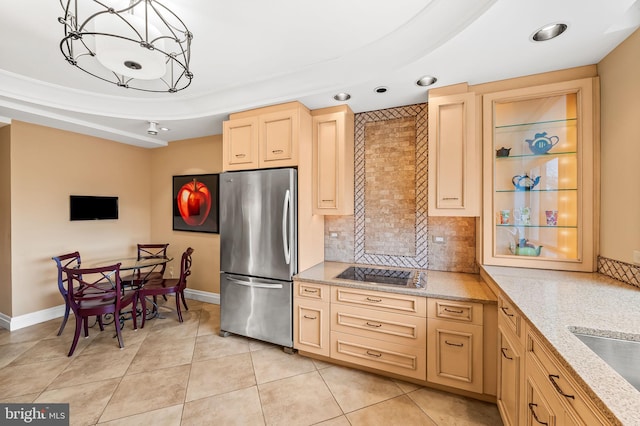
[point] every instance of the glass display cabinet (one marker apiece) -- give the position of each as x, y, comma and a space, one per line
540, 177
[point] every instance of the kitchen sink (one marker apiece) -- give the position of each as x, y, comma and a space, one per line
621, 355
377, 275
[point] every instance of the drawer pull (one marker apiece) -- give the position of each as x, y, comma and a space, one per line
555, 385
241, 155
504, 354
450, 198
373, 325
277, 151
453, 311
306, 290
533, 413
326, 201
311, 318
378, 355
459, 345
505, 311
374, 300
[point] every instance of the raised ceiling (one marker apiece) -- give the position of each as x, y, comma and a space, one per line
252, 53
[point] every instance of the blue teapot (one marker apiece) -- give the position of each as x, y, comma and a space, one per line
541, 143
524, 182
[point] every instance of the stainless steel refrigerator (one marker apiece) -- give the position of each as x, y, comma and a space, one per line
258, 253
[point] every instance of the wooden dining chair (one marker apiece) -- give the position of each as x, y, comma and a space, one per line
98, 291
166, 286
148, 251
69, 260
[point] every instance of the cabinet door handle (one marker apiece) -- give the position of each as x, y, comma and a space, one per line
504, 354
505, 311
459, 345
241, 155
373, 300
378, 355
533, 413
449, 198
453, 311
308, 317
324, 201
306, 290
552, 377
373, 325
277, 151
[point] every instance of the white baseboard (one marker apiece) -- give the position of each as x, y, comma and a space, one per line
202, 296
22, 321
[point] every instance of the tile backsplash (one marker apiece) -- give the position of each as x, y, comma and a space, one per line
347, 238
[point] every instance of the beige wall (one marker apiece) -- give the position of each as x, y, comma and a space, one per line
47, 166
5, 220
620, 151
191, 156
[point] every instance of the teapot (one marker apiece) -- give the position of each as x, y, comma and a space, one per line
524, 182
525, 248
541, 143
502, 152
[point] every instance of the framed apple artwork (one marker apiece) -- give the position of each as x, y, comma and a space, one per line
195, 203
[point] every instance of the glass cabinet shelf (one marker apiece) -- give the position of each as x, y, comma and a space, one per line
539, 197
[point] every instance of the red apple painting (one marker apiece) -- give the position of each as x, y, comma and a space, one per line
195, 203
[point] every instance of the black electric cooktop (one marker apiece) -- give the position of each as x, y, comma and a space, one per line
375, 275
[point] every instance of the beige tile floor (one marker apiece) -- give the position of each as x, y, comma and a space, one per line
186, 374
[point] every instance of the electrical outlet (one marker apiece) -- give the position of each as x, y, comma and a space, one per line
438, 239
171, 271
636, 257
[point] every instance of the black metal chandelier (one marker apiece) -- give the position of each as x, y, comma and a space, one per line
136, 44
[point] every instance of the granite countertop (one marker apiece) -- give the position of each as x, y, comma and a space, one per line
555, 303
443, 285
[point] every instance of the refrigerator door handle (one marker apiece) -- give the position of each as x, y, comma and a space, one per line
285, 239
255, 285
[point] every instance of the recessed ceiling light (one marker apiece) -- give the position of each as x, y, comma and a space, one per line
342, 96
427, 80
548, 32
380, 89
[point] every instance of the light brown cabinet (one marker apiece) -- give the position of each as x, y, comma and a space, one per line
265, 137
311, 320
454, 156
510, 364
541, 174
455, 344
333, 160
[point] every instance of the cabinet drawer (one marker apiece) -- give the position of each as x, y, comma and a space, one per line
508, 316
390, 327
559, 382
398, 303
538, 411
398, 359
312, 290
455, 310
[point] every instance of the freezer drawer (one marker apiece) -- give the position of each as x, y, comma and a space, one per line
256, 307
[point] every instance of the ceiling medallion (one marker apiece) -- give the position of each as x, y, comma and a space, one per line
140, 45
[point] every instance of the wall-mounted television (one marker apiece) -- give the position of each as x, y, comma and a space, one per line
89, 207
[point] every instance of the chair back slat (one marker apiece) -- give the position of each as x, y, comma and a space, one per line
69, 260
185, 267
91, 284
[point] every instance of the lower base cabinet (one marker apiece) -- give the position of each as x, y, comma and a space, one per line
454, 344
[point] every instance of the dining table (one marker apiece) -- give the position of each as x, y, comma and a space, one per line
141, 269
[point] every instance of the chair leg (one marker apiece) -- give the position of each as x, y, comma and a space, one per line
64, 320
184, 301
76, 335
178, 306
86, 327
134, 313
100, 324
118, 331
143, 301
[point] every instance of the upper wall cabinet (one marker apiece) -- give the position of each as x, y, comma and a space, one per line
333, 161
263, 138
541, 174
454, 156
